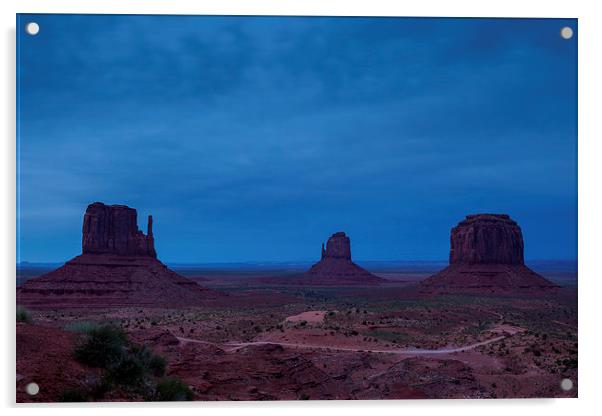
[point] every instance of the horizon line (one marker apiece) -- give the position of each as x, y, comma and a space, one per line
186, 262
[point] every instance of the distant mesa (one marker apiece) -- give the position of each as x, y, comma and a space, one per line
336, 266
486, 255
118, 267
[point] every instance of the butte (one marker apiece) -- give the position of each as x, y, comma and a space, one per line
118, 267
336, 267
486, 256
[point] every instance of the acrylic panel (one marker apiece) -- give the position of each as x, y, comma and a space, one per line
295, 208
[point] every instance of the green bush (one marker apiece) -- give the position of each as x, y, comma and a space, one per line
172, 390
99, 389
135, 365
103, 346
129, 371
127, 365
73, 395
157, 365
82, 327
152, 363
23, 315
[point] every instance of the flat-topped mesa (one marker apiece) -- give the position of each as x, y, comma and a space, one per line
113, 229
487, 239
486, 256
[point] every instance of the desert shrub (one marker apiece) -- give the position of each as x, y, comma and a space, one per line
100, 388
82, 327
157, 365
23, 315
570, 363
129, 366
134, 366
73, 395
103, 346
152, 363
129, 371
172, 390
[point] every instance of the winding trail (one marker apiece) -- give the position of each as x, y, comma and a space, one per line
234, 346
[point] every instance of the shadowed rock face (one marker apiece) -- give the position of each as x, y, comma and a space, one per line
336, 266
487, 239
486, 256
118, 267
338, 247
113, 229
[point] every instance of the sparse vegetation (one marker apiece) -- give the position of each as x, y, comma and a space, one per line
83, 327
171, 390
127, 372
74, 395
545, 344
23, 315
151, 363
102, 346
126, 365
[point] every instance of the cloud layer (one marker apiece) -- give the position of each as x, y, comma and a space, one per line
256, 138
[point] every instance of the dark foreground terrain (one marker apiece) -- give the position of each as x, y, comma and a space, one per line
271, 340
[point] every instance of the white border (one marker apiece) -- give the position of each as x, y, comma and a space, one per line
590, 210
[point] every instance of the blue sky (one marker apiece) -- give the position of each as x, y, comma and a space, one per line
255, 138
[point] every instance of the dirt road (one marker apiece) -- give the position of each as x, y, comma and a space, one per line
233, 346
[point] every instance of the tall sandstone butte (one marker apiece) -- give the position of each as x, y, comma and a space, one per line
118, 267
486, 255
336, 266
114, 229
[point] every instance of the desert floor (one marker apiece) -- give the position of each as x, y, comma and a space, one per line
271, 341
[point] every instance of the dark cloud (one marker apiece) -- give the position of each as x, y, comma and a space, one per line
254, 138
